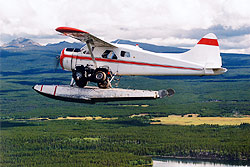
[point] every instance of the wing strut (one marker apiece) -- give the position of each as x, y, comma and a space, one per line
91, 53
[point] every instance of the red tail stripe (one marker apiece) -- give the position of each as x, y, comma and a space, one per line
207, 41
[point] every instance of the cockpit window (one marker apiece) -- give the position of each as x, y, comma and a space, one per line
105, 54
69, 49
73, 49
77, 50
85, 49
109, 54
125, 54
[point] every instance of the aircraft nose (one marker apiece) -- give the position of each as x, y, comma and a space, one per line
61, 57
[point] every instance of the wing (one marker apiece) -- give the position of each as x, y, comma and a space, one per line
84, 36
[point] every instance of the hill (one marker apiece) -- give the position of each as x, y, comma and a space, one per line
123, 141
21, 43
28, 44
61, 45
23, 68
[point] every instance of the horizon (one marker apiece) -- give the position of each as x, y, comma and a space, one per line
180, 23
79, 42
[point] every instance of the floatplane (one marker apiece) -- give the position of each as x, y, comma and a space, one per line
100, 62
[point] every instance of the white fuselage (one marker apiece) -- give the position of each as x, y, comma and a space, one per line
132, 60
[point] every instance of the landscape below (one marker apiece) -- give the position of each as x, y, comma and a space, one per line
35, 130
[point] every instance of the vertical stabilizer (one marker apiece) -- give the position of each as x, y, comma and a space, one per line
206, 53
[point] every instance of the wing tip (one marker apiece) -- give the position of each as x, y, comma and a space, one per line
69, 29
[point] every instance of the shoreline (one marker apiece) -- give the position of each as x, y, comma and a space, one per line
217, 160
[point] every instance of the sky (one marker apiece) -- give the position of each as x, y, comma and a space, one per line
179, 23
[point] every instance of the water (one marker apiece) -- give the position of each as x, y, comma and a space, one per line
171, 162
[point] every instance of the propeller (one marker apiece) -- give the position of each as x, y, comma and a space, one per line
57, 61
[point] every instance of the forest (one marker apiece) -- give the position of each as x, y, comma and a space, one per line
124, 141
121, 142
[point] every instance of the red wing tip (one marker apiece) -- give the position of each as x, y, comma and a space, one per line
69, 29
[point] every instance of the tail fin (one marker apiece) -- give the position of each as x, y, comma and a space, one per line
206, 53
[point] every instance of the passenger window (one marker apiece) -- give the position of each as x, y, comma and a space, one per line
108, 54
122, 53
125, 54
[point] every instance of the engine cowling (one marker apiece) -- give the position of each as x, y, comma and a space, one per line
68, 58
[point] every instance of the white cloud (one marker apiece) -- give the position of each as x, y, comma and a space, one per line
236, 44
146, 20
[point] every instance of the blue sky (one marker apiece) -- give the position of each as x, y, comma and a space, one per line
163, 22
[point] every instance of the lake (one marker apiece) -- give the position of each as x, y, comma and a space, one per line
172, 162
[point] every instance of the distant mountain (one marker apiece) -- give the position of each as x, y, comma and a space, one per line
28, 44
231, 61
151, 47
61, 45
21, 43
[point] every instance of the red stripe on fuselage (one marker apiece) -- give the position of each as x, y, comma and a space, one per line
122, 62
207, 41
143, 64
